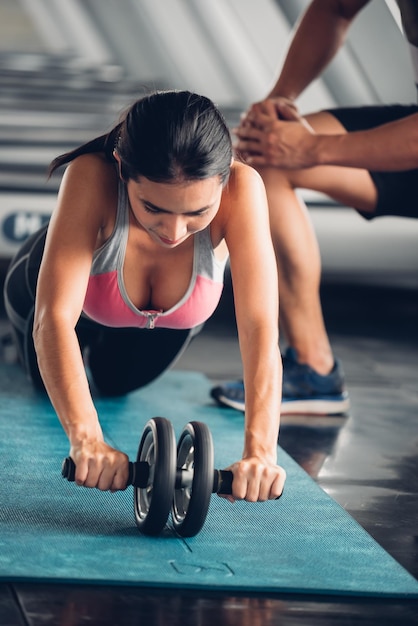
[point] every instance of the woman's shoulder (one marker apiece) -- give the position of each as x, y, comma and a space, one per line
89, 189
243, 191
91, 176
242, 171
243, 179
93, 164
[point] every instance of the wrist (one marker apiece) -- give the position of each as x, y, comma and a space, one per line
314, 149
325, 149
261, 449
283, 90
267, 458
81, 433
281, 95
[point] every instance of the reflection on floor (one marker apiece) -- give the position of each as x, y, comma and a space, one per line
367, 461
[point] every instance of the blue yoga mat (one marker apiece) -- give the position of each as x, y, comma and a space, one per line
51, 530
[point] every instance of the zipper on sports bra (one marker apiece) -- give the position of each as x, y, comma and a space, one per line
151, 319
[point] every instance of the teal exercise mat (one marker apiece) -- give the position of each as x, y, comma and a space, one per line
51, 530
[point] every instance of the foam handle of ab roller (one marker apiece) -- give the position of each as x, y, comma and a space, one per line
222, 482
68, 469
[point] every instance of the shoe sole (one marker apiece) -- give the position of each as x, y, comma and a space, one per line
321, 406
232, 404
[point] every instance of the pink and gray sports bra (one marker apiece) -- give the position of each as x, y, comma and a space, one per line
108, 303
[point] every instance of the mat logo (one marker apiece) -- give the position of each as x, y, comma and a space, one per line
188, 569
19, 225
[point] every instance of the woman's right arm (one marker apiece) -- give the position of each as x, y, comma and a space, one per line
72, 237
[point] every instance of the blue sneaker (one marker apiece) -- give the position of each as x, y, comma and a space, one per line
230, 394
304, 391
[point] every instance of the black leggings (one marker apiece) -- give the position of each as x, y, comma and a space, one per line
119, 360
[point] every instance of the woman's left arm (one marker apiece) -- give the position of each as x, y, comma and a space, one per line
254, 275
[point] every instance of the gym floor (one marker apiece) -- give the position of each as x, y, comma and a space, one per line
367, 461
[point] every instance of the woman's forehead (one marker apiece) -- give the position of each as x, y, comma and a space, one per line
187, 196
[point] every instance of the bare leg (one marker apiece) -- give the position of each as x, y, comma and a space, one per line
296, 247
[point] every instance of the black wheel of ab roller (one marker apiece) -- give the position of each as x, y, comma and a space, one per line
152, 502
194, 482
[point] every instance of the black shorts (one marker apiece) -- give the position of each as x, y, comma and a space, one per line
397, 192
119, 360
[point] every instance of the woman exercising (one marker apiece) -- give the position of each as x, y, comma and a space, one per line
131, 265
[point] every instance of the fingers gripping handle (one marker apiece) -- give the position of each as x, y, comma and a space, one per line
138, 472
222, 482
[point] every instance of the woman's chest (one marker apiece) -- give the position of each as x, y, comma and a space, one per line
155, 278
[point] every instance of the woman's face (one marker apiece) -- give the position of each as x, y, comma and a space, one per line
171, 212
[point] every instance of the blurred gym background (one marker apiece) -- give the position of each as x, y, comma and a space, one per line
69, 68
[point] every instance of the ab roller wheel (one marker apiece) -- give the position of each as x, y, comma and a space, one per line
152, 502
195, 479
165, 479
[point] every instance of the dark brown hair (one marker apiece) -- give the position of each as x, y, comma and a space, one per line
166, 136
